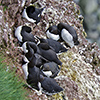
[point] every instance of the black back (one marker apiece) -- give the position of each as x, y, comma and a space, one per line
26, 34
56, 46
48, 53
33, 13
33, 77
30, 53
53, 29
50, 85
53, 67
70, 29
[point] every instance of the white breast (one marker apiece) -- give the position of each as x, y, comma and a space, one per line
52, 36
18, 33
25, 59
24, 47
47, 73
67, 37
25, 70
24, 14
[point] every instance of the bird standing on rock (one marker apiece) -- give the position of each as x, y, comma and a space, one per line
32, 14
49, 86
23, 34
68, 34
33, 76
50, 69
53, 33
30, 50
48, 53
57, 46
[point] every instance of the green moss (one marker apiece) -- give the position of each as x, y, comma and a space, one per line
10, 87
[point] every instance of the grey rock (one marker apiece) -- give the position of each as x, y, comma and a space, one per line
93, 34
98, 28
90, 21
91, 6
88, 6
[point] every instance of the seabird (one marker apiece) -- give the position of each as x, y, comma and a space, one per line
50, 69
68, 34
32, 14
49, 86
23, 34
53, 33
57, 46
48, 53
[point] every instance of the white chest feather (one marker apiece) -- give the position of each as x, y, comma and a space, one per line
52, 36
18, 33
24, 14
25, 70
47, 73
25, 59
24, 47
67, 37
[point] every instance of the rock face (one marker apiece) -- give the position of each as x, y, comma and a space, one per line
80, 74
91, 12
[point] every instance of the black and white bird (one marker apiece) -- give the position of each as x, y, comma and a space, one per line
53, 33
30, 50
25, 69
23, 34
32, 14
68, 34
49, 86
48, 53
57, 46
33, 76
50, 69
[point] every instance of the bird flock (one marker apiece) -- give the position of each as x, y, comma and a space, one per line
40, 62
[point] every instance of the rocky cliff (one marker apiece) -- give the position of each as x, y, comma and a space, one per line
80, 74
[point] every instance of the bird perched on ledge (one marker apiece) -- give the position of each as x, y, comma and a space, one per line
48, 53
34, 58
53, 33
49, 86
57, 46
32, 14
50, 69
68, 34
23, 34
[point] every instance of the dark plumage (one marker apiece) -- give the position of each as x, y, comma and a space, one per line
23, 34
58, 47
50, 67
53, 33
32, 14
37, 60
30, 53
30, 50
49, 85
68, 34
48, 53
34, 47
33, 76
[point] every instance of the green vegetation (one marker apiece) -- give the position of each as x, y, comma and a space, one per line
10, 87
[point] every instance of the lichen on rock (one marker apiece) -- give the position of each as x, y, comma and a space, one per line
80, 73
